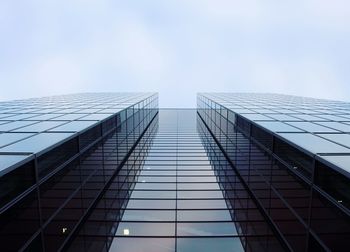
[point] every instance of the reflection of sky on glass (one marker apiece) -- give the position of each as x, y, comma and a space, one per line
175, 47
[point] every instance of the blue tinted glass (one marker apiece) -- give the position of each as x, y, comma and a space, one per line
336, 118
341, 161
8, 138
257, 117
148, 215
20, 116
309, 117
343, 139
338, 126
314, 143
14, 125
206, 228
41, 126
75, 126
209, 244
202, 204
69, 117
3, 122
3, 116
204, 215
279, 127
125, 244
109, 111
282, 117
146, 229
36, 143
96, 117
44, 117
156, 204
8, 160
311, 127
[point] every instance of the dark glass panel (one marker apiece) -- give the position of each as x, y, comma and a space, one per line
299, 161
19, 223
333, 183
315, 245
329, 223
262, 136
36, 245
58, 229
15, 182
108, 125
243, 124
89, 136
57, 156
55, 191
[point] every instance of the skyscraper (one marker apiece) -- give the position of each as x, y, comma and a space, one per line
292, 155
57, 156
113, 172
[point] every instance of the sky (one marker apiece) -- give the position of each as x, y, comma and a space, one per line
175, 47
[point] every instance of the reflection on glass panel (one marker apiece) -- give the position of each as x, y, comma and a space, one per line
199, 194
39, 127
196, 173
8, 138
206, 229
124, 244
43, 117
309, 117
149, 172
338, 126
209, 244
279, 127
203, 215
198, 186
151, 204
153, 194
146, 229
69, 117
148, 215
202, 204
74, 126
283, 118
6, 161
338, 138
144, 179
37, 143
311, 127
257, 117
14, 125
155, 186
314, 144
342, 162
196, 179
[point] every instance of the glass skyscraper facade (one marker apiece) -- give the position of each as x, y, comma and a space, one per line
293, 156
57, 156
114, 172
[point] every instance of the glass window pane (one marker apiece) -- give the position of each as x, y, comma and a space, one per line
209, 244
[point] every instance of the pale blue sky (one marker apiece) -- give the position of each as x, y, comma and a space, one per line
175, 47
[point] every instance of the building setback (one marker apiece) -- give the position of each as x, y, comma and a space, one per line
113, 172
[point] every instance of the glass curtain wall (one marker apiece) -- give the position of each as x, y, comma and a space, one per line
301, 194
